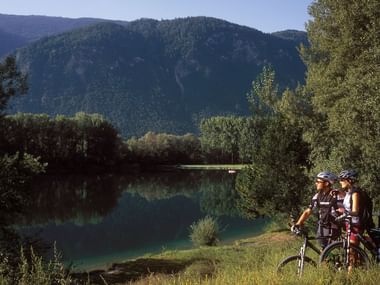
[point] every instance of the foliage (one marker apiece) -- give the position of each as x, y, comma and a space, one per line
218, 196
264, 94
277, 178
343, 76
227, 139
87, 142
33, 270
164, 149
62, 142
294, 35
152, 75
205, 232
16, 172
242, 263
12, 82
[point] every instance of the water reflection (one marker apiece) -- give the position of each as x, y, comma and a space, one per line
87, 199
92, 216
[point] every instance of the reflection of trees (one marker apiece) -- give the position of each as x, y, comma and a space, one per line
134, 223
129, 211
15, 174
77, 198
165, 185
87, 199
218, 195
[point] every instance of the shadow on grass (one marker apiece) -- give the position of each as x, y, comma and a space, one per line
137, 269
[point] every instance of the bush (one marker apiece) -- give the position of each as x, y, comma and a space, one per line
33, 270
205, 232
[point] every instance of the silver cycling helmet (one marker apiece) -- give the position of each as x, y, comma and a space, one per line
350, 174
327, 176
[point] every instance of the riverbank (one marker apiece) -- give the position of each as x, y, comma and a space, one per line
245, 261
211, 166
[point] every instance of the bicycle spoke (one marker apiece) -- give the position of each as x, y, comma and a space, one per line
292, 265
335, 257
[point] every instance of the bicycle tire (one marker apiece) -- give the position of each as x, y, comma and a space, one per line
334, 255
290, 264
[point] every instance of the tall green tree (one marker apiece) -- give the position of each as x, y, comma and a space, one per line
15, 170
277, 180
12, 82
343, 76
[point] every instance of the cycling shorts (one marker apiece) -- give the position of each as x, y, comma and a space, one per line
355, 230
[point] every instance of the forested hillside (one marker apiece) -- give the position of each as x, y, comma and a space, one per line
150, 75
16, 31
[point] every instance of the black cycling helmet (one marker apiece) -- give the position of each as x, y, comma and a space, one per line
349, 174
327, 176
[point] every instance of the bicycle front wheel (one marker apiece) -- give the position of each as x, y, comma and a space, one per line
293, 265
335, 257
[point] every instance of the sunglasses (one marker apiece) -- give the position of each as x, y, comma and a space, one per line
319, 181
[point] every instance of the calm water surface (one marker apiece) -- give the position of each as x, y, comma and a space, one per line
97, 220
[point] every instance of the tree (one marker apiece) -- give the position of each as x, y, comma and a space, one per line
343, 75
277, 178
12, 82
15, 170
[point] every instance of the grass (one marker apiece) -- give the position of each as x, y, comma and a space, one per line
249, 261
245, 262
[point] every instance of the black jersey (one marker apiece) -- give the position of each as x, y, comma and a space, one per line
326, 204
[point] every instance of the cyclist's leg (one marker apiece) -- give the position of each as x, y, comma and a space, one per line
334, 256
323, 235
335, 233
354, 258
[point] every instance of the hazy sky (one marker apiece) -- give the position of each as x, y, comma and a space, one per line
264, 15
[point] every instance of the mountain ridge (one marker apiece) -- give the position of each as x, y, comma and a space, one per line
153, 75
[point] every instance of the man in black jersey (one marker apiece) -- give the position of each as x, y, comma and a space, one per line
325, 201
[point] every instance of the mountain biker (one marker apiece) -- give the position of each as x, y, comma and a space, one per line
326, 202
347, 180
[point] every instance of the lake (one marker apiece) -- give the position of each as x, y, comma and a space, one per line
98, 220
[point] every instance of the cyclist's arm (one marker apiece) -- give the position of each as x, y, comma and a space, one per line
305, 215
355, 204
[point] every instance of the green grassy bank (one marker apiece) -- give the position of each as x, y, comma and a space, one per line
249, 261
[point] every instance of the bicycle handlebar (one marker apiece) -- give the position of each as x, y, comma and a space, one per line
344, 217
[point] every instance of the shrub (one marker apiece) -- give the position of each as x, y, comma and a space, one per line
205, 232
34, 270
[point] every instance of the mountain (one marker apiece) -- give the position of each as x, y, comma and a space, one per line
10, 42
30, 28
153, 75
293, 35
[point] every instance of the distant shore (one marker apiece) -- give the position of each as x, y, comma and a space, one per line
210, 166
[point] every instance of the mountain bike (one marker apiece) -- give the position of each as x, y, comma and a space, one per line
342, 255
295, 264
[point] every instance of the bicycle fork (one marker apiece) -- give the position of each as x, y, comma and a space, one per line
347, 243
301, 260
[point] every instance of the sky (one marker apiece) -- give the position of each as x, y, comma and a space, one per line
264, 15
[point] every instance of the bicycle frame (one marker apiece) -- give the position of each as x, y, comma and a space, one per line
349, 250
368, 245
362, 240
301, 259
305, 245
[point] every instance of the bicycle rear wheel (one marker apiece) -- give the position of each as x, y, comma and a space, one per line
292, 265
334, 257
